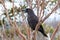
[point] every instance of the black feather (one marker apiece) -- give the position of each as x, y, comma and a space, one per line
33, 20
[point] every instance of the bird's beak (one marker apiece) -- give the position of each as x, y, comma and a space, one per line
23, 10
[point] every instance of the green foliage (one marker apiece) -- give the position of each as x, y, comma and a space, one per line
53, 1
23, 7
51, 30
24, 32
10, 0
9, 33
48, 29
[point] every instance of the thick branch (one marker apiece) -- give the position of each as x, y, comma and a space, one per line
41, 21
54, 9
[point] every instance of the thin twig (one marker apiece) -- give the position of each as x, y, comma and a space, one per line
3, 32
10, 20
55, 31
29, 3
41, 21
54, 9
16, 26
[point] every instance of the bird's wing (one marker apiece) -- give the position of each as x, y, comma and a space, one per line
32, 22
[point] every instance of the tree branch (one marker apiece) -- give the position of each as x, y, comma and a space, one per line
10, 21
41, 21
55, 31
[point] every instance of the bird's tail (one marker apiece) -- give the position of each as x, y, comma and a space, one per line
44, 34
42, 31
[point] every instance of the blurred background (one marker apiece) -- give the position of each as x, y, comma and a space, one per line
13, 22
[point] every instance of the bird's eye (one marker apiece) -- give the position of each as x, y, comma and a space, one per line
27, 10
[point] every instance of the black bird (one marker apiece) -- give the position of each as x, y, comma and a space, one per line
33, 20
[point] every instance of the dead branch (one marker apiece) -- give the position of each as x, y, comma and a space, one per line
29, 3
55, 31
3, 32
54, 9
16, 26
19, 33
41, 21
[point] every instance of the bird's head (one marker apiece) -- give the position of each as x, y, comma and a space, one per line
27, 10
